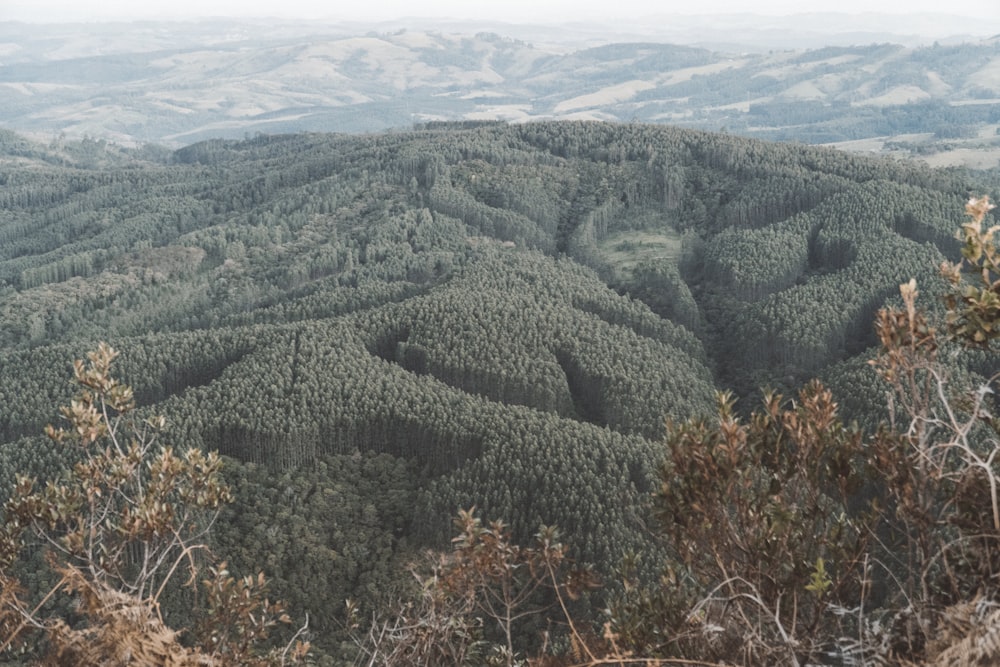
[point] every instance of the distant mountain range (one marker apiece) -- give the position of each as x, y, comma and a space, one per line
176, 83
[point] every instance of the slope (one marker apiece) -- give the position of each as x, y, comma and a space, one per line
437, 310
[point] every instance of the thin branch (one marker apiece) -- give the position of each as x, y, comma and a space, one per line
291, 642
30, 618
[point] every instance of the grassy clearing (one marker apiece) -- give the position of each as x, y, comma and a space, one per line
973, 158
623, 251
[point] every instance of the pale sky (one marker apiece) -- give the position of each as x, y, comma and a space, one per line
507, 10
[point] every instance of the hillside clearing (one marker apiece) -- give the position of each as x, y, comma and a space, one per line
626, 250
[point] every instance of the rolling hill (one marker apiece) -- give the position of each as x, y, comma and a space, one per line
174, 84
381, 329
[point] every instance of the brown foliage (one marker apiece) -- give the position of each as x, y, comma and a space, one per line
122, 631
796, 535
117, 529
974, 306
476, 600
758, 512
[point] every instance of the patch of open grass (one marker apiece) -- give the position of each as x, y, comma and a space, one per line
623, 251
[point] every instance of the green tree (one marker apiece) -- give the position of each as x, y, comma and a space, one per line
120, 529
795, 535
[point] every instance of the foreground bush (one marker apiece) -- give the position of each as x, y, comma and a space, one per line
795, 539
120, 531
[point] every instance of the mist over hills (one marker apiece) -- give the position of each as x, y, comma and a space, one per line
175, 83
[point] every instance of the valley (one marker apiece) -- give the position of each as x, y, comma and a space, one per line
394, 326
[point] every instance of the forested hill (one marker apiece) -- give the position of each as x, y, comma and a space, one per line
382, 329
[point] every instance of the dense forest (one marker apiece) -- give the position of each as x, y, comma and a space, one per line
379, 330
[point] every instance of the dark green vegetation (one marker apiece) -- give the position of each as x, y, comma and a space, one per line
379, 330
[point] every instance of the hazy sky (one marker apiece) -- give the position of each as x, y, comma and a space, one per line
509, 10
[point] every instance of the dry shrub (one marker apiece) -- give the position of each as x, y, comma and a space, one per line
121, 631
118, 529
968, 635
